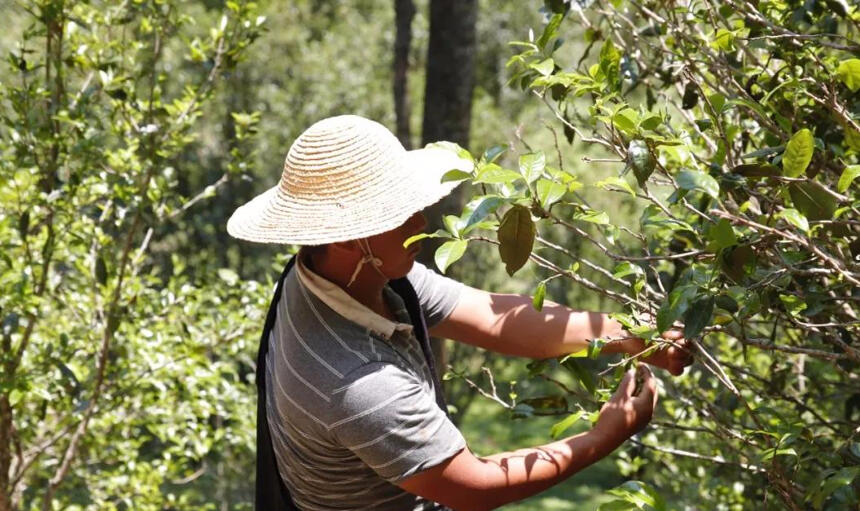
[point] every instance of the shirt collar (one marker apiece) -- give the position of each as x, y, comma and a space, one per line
339, 301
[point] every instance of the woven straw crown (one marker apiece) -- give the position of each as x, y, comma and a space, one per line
345, 178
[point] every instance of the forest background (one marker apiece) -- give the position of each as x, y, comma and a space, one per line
131, 130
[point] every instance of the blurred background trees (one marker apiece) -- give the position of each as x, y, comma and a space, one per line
132, 129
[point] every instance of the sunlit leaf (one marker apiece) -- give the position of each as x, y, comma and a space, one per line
563, 425
798, 153
449, 253
539, 295
795, 218
548, 192
455, 175
699, 181
532, 165
848, 176
849, 72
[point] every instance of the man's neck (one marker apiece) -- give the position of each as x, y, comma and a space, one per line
367, 287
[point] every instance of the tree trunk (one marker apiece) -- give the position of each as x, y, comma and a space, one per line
5, 453
450, 71
448, 104
404, 11
450, 82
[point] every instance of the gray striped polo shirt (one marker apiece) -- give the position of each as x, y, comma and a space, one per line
351, 405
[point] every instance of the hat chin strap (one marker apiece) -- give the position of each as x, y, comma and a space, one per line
368, 257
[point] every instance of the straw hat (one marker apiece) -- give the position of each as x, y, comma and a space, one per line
345, 178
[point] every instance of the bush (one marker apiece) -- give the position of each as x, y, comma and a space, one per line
123, 380
734, 129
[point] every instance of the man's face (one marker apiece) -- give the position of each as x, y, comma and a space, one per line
388, 246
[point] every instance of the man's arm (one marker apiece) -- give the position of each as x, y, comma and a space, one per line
509, 324
466, 482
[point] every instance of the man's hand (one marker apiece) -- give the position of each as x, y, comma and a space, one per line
626, 414
673, 354
468, 483
672, 357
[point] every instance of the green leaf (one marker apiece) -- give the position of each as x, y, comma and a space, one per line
595, 217
449, 253
638, 494
412, 239
735, 261
696, 180
757, 170
626, 120
229, 276
583, 353
795, 218
812, 200
532, 165
849, 72
493, 174
798, 153
794, 305
763, 152
493, 153
516, 237
852, 136
595, 347
726, 302
455, 175
521, 411
548, 192
841, 479
452, 224
675, 306
721, 235
770, 453
652, 122
563, 425
15, 396
540, 294
610, 64
640, 159
581, 374
455, 148
478, 209
698, 316
544, 67
616, 181
551, 404
550, 30
626, 268
848, 176
724, 40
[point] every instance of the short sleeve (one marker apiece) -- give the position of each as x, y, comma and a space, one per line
389, 419
437, 294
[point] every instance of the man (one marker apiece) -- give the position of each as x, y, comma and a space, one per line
354, 410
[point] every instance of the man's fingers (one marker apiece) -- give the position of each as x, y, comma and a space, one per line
649, 387
655, 393
627, 385
673, 335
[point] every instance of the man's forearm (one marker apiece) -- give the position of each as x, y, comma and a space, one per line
513, 476
509, 324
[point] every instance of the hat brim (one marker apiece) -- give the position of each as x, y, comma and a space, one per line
276, 217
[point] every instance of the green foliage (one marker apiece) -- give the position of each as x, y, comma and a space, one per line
125, 372
740, 124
